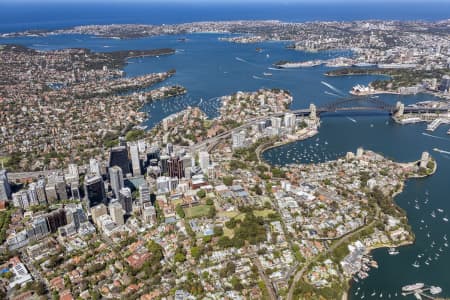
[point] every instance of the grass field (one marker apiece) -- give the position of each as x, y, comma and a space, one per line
197, 211
263, 213
240, 216
3, 160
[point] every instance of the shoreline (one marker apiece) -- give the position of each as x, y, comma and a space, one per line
370, 249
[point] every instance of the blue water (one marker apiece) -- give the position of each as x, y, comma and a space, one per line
338, 135
21, 15
209, 68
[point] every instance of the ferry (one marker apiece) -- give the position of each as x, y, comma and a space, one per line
413, 287
393, 251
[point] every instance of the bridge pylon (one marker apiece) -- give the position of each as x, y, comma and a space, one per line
399, 109
312, 111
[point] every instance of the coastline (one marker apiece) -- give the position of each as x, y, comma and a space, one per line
370, 249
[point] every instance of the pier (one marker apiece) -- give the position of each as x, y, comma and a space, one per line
436, 123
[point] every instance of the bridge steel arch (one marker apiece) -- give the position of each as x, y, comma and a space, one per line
355, 103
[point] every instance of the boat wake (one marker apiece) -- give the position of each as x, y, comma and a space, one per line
262, 78
277, 69
353, 120
441, 151
259, 78
241, 59
333, 88
434, 136
332, 94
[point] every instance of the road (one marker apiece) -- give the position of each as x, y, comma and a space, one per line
299, 274
264, 277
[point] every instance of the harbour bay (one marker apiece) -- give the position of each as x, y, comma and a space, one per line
209, 68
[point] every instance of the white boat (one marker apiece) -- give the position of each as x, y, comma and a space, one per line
440, 210
393, 251
413, 287
434, 290
267, 74
373, 294
433, 214
416, 264
445, 219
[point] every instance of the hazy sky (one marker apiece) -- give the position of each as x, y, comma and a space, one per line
224, 1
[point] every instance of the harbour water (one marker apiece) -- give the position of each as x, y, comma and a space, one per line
209, 68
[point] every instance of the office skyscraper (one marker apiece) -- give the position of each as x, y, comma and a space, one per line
144, 193
40, 191
56, 219
118, 156
135, 161
94, 167
164, 160
5, 187
203, 159
94, 190
116, 212
175, 167
126, 200
116, 179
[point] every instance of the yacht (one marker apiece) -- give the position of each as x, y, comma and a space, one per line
393, 251
445, 219
435, 290
413, 287
440, 210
